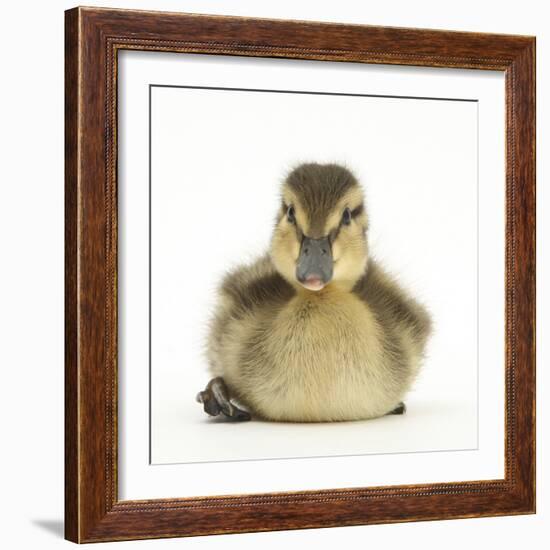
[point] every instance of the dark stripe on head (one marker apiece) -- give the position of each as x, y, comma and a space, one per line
319, 187
284, 211
357, 211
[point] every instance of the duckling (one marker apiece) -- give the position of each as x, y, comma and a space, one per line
315, 330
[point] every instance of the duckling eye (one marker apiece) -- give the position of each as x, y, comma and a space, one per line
291, 214
346, 216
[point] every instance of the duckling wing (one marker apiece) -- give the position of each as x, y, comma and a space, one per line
393, 307
247, 295
255, 285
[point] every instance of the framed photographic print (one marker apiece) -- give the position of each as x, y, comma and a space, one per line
300, 274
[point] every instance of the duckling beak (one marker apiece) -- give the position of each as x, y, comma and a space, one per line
314, 266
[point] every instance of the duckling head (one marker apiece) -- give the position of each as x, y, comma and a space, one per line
320, 232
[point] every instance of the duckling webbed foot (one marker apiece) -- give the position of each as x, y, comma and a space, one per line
215, 399
400, 409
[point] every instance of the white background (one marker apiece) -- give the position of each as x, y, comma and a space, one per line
218, 158
31, 219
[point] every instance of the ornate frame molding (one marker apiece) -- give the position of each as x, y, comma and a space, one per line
93, 38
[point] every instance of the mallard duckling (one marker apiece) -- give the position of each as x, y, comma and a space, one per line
315, 330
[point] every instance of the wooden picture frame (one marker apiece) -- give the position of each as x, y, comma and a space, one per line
93, 511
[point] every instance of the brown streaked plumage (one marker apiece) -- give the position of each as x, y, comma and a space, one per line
315, 330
